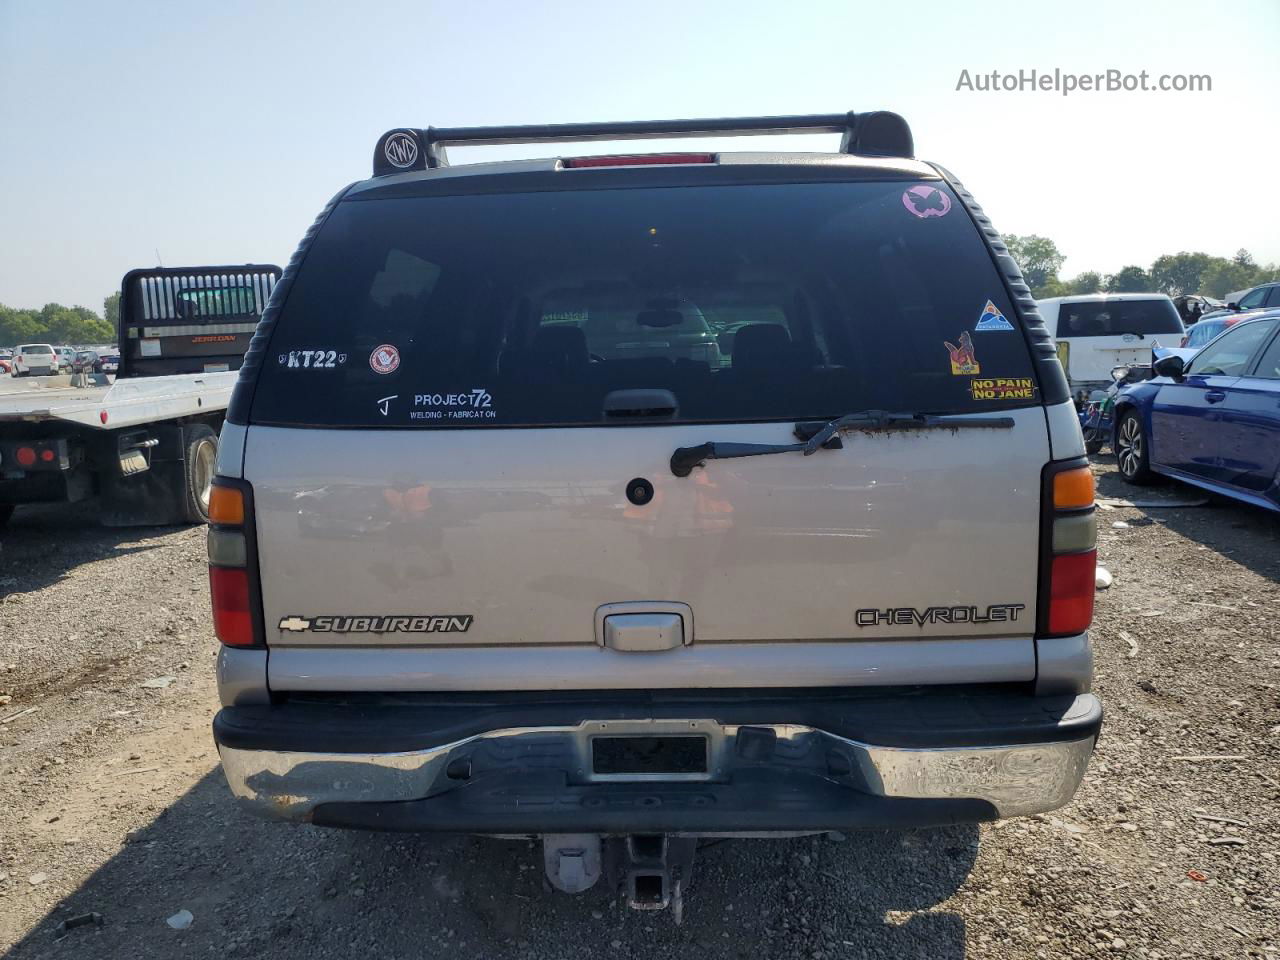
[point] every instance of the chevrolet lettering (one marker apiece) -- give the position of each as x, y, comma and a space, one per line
906, 616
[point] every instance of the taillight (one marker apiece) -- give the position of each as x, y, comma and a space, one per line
232, 614
46, 454
1071, 588
1069, 550
233, 575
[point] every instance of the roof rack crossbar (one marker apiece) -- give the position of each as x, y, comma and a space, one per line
877, 133
641, 129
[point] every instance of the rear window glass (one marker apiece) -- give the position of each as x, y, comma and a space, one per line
217, 302
1230, 356
769, 302
1204, 331
1115, 318
36, 348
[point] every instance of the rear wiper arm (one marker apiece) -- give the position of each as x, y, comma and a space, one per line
816, 436
884, 420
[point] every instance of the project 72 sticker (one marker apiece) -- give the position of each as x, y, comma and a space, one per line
474, 404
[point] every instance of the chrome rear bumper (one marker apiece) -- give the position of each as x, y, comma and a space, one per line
812, 769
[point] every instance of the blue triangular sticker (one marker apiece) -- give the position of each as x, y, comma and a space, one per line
992, 319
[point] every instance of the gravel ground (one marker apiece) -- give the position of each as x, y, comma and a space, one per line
114, 804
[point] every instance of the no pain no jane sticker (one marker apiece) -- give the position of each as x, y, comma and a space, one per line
1002, 388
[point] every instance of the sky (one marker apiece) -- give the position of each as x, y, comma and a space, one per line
133, 133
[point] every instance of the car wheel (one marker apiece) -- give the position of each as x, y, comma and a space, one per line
1094, 440
201, 464
1132, 455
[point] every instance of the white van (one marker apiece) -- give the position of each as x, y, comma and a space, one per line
39, 359
1097, 331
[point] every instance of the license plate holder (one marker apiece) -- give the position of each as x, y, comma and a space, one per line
650, 757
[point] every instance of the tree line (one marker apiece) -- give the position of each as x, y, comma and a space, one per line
1174, 273
1039, 257
54, 323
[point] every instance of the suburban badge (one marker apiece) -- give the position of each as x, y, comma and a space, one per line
420, 623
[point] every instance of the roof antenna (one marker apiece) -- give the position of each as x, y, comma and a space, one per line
159, 262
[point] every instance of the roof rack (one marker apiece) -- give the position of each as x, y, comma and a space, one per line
878, 133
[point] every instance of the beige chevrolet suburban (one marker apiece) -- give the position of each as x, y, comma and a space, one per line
625, 500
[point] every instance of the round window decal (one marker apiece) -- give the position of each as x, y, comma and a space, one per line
401, 150
384, 359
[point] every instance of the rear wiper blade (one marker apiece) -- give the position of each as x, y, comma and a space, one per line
686, 458
884, 420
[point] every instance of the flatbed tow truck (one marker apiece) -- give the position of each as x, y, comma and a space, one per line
146, 444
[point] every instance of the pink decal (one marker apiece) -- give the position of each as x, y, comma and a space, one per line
925, 201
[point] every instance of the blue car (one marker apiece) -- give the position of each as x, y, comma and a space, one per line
1212, 421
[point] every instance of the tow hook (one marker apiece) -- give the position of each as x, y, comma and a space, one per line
651, 870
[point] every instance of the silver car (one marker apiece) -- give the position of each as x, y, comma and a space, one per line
503, 543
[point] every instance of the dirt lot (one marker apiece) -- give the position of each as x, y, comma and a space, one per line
113, 802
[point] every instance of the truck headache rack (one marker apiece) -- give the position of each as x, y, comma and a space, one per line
877, 133
190, 319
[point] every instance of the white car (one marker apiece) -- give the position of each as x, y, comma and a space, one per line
1098, 331
35, 358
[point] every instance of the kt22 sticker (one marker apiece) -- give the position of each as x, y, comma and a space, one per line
312, 359
1002, 388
